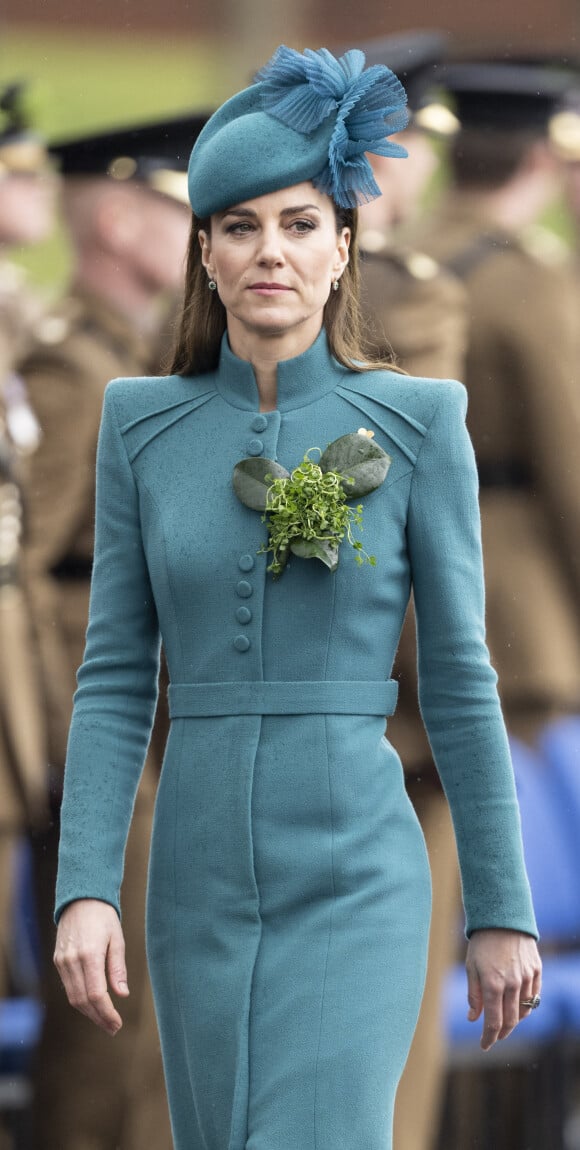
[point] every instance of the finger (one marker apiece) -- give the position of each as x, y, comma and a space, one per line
65, 977
68, 963
474, 996
526, 994
511, 1008
99, 1010
492, 1015
531, 987
116, 966
97, 1003
537, 980
103, 1014
83, 977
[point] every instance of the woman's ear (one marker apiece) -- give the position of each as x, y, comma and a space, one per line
342, 249
205, 245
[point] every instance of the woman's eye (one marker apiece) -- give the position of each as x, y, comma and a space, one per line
303, 225
238, 229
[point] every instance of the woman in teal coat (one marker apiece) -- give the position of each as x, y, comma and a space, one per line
289, 895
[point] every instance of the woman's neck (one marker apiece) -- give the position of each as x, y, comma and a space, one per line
265, 352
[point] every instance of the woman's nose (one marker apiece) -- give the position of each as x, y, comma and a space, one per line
270, 247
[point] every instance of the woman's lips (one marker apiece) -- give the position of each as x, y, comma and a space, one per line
268, 289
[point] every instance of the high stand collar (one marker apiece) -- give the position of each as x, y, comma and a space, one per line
300, 380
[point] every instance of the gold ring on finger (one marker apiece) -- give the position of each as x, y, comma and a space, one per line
531, 1003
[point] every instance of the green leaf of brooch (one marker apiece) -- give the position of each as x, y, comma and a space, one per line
306, 510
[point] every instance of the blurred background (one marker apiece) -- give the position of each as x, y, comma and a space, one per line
106, 63
112, 63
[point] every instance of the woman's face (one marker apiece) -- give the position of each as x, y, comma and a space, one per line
274, 260
27, 207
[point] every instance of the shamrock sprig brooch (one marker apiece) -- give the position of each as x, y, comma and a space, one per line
307, 510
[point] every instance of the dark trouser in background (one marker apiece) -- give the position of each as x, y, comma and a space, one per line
94, 1092
421, 1091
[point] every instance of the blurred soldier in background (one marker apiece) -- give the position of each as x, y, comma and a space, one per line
124, 203
27, 204
523, 383
411, 302
523, 379
27, 193
564, 131
418, 309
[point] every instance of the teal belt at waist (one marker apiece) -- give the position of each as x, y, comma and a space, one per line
302, 698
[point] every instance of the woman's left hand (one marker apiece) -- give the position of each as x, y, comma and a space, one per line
503, 968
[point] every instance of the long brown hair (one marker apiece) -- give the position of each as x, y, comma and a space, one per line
203, 319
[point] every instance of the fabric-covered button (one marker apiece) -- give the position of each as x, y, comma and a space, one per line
244, 589
255, 447
260, 423
242, 643
243, 615
246, 562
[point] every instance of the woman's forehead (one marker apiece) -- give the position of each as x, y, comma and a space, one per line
303, 195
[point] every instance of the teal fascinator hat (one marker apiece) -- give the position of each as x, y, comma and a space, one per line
308, 116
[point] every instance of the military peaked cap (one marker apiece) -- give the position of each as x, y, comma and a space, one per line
413, 56
155, 153
21, 149
504, 96
416, 58
564, 127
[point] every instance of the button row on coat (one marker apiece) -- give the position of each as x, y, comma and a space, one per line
244, 590
256, 446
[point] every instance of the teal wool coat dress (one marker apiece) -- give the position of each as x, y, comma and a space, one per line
289, 893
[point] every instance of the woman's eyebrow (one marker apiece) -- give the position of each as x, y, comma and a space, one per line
299, 208
237, 212
250, 213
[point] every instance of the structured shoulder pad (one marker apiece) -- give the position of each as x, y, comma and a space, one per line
146, 406
402, 406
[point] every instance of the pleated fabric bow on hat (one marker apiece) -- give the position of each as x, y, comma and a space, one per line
308, 116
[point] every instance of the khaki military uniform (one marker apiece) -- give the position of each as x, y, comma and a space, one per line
523, 380
521, 374
413, 306
23, 781
91, 1093
23, 775
20, 311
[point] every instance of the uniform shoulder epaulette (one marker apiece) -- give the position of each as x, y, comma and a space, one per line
421, 266
57, 323
544, 245
417, 264
12, 278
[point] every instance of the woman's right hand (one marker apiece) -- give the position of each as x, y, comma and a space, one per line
90, 958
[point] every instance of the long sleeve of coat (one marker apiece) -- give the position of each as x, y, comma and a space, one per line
154, 532
457, 685
117, 687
